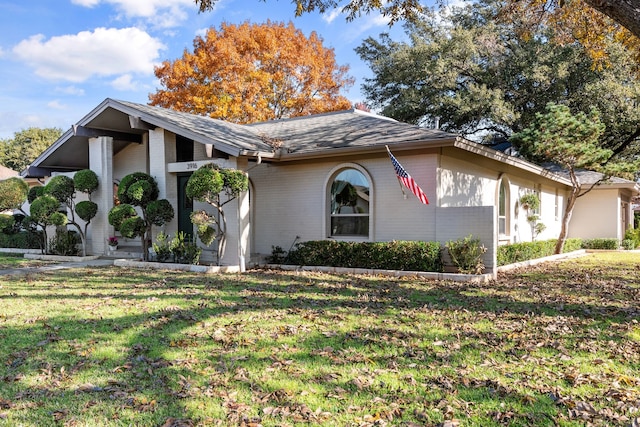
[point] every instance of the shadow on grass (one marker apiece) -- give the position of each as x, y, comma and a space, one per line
236, 348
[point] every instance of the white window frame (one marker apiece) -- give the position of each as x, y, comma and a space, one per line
327, 203
505, 217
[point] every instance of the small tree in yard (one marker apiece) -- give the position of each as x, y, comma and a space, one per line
531, 203
572, 141
64, 190
45, 211
207, 185
141, 190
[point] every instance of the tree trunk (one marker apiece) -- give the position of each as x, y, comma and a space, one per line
566, 218
222, 237
624, 12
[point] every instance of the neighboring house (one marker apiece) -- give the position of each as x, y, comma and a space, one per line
325, 176
6, 173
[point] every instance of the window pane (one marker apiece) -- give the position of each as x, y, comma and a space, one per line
350, 193
502, 202
349, 208
350, 226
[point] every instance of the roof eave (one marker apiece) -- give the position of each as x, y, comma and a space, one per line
336, 152
155, 121
510, 160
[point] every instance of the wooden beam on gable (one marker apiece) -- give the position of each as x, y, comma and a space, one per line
94, 133
138, 123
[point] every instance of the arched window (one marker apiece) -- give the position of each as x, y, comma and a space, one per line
503, 208
349, 195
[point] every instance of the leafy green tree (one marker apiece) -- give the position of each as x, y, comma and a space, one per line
45, 211
573, 142
578, 15
26, 146
64, 190
13, 194
394, 9
215, 186
474, 74
140, 190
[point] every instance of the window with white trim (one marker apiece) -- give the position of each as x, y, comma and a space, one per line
503, 208
349, 204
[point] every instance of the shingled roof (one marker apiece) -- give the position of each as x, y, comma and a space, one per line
342, 129
5, 172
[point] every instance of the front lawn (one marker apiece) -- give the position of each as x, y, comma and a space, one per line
17, 260
556, 344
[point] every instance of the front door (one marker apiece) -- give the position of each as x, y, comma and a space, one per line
185, 206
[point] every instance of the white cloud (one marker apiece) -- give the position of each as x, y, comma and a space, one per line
56, 105
355, 29
331, 16
70, 90
160, 13
102, 52
86, 3
124, 83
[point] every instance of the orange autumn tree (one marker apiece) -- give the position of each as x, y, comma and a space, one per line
577, 20
253, 72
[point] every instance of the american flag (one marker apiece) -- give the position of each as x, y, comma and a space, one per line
406, 179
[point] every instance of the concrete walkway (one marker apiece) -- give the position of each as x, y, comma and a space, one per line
57, 266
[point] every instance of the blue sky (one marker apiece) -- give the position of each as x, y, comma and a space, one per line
60, 58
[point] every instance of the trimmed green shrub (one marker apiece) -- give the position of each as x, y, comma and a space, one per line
65, 243
518, 252
21, 240
180, 249
466, 254
628, 244
34, 193
6, 223
86, 181
395, 255
633, 235
162, 248
118, 214
610, 244
86, 210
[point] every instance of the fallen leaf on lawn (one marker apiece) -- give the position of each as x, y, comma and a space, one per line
177, 422
59, 414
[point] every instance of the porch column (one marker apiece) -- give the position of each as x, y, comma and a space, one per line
101, 162
237, 219
162, 150
244, 235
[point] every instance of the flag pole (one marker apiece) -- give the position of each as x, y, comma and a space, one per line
404, 195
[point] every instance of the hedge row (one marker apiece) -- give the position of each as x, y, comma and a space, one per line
20, 240
518, 252
396, 255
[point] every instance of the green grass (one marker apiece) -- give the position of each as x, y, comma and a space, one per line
11, 260
556, 344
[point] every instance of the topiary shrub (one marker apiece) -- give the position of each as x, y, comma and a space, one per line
141, 190
208, 184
